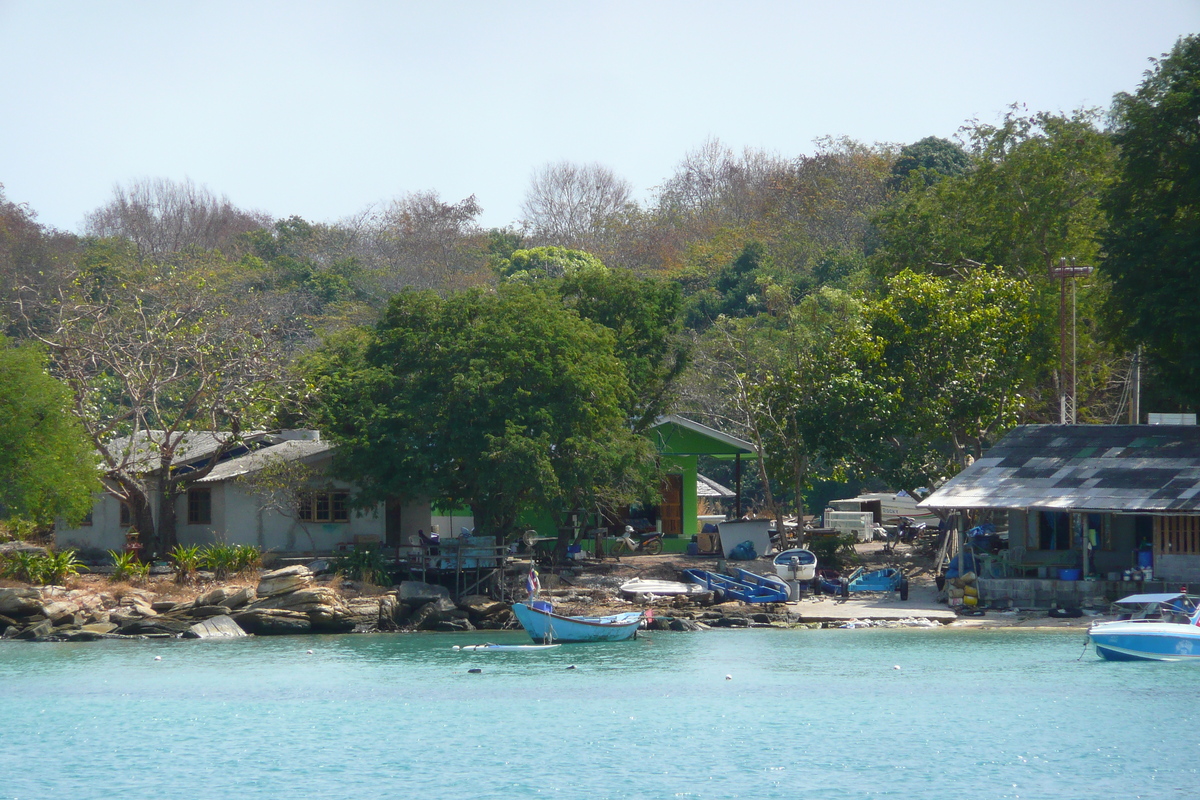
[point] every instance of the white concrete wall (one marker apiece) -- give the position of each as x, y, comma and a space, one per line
105, 532
237, 518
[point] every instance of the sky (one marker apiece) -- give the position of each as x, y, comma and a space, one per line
324, 109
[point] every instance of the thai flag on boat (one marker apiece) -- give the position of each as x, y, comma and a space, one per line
532, 584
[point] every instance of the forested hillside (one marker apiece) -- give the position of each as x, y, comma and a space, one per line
865, 311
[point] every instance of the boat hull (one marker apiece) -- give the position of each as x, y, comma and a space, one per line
806, 564
661, 588
545, 626
1146, 641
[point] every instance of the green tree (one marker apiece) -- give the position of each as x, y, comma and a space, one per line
645, 317
152, 354
932, 158
1032, 198
958, 355
540, 263
506, 402
1152, 246
48, 468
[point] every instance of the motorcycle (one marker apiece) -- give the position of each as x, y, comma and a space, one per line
648, 543
910, 530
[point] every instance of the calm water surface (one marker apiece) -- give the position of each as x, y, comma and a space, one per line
811, 714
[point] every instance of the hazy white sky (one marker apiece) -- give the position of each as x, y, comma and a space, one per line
322, 108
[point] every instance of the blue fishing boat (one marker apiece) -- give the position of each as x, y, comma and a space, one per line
879, 580
728, 587
546, 627
1159, 627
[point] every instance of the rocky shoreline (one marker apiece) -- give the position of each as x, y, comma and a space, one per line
304, 600
295, 600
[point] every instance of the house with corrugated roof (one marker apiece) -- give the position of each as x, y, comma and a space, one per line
1088, 502
274, 490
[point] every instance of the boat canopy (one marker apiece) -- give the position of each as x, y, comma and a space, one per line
1151, 598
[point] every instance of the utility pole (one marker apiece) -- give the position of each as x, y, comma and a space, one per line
1135, 389
1066, 380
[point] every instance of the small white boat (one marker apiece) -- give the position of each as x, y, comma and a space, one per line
504, 648
796, 564
660, 588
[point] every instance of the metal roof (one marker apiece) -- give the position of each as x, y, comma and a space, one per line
1127, 468
252, 462
190, 446
676, 435
707, 487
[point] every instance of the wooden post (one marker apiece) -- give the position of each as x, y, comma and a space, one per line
737, 473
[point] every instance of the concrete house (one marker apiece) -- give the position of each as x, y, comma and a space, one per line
1090, 502
229, 506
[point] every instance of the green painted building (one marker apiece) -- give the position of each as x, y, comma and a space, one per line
681, 442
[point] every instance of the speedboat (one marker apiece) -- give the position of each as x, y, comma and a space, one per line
1154, 627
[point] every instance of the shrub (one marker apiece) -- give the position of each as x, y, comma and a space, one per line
127, 567
834, 552
22, 566
41, 568
186, 560
246, 558
221, 559
364, 564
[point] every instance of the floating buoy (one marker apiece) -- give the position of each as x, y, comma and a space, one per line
475, 670
310, 652
728, 677
158, 658
896, 667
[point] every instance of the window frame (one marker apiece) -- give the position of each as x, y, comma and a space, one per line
199, 512
324, 507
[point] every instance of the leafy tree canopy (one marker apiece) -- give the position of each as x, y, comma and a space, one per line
1152, 247
1033, 198
539, 263
932, 159
48, 468
506, 401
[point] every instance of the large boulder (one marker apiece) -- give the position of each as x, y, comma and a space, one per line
60, 611
427, 617
228, 596
154, 625
281, 581
222, 627
416, 593
19, 602
273, 621
304, 600
453, 626
207, 612
392, 613
37, 630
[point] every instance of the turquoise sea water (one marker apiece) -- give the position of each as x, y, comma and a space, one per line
806, 714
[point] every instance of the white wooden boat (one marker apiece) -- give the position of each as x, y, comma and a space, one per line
503, 648
660, 588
